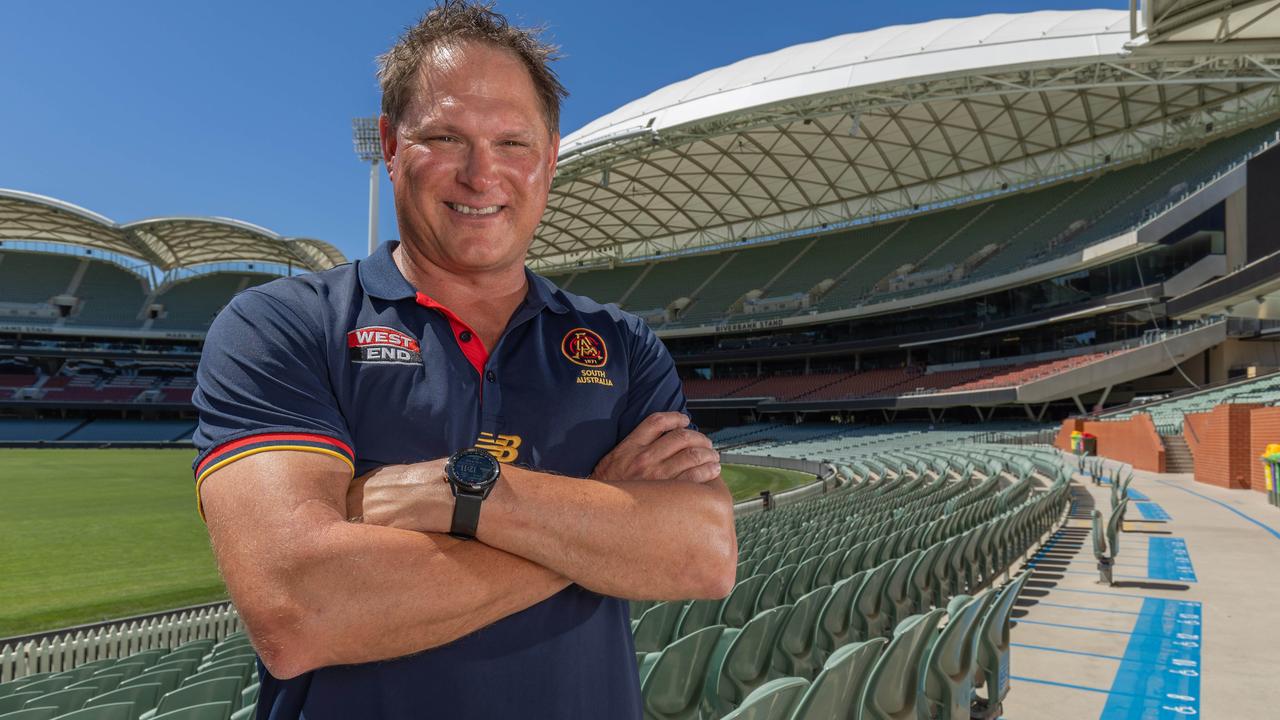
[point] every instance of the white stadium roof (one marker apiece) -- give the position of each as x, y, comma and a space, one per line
167, 243
890, 120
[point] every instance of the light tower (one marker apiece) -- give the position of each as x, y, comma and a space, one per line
364, 134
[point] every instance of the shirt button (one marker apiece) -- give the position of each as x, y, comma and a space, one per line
490, 376
465, 336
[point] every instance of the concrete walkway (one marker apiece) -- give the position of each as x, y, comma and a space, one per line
1191, 627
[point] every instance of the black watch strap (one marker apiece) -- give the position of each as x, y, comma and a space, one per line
466, 516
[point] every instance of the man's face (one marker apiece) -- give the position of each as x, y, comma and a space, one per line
471, 160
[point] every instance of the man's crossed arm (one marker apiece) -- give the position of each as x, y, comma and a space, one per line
654, 521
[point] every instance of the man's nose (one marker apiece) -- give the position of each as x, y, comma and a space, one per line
480, 170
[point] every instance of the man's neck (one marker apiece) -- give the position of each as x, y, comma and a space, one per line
484, 301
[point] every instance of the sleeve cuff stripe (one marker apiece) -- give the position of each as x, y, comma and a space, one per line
294, 440
224, 459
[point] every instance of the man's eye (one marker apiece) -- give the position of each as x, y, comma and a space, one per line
443, 138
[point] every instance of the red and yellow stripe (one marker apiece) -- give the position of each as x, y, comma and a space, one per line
228, 453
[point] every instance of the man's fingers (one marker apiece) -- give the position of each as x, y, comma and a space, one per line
654, 427
675, 441
688, 458
703, 473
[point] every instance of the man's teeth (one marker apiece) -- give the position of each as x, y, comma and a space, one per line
468, 210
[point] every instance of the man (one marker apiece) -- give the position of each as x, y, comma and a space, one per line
337, 410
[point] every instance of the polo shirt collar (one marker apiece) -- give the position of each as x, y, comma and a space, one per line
381, 279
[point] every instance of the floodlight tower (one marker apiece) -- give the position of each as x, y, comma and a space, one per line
369, 149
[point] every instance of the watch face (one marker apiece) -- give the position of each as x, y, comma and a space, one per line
474, 469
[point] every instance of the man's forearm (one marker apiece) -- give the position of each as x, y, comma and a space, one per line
665, 539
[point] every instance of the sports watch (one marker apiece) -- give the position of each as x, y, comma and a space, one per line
471, 474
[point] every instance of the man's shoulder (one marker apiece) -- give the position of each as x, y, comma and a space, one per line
305, 295
587, 307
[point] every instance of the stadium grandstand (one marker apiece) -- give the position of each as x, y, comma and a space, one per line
1006, 288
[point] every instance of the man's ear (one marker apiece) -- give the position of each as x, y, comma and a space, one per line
555, 154
387, 133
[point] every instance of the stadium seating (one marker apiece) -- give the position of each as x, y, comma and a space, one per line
109, 296
1167, 415
200, 680
1033, 226
35, 277
109, 430
13, 429
192, 303
850, 589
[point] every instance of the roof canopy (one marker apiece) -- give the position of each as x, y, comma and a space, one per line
887, 121
167, 243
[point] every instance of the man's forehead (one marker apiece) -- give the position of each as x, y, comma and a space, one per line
450, 66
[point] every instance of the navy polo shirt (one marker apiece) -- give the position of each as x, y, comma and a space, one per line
355, 363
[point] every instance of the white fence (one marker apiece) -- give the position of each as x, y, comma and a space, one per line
68, 648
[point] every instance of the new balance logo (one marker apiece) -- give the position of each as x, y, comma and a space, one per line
503, 448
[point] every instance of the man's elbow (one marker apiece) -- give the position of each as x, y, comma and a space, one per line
718, 569
276, 626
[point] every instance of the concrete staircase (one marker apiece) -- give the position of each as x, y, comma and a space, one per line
1177, 456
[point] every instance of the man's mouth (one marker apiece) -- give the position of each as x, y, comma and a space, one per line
470, 210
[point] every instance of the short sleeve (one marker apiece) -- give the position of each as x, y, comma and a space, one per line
654, 385
263, 385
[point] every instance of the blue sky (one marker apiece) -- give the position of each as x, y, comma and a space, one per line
243, 109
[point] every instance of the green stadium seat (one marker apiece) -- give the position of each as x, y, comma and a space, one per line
742, 661
868, 618
897, 589
168, 680
35, 713
99, 683
923, 577
832, 629
794, 651
241, 671
893, 686
772, 701
127, 668
142, 697
116, 711
221, 691
64, 700
993, 648
150, 657
951, 663
672, 688
207, 711
774, 591
186, 666
837, 690
657, 625
249, 696
829, 568
244, 713
802, 582
48, 684
740, 606
697, 615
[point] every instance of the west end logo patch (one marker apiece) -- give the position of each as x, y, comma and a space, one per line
586, 348
380, 344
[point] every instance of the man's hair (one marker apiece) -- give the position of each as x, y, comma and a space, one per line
453, 22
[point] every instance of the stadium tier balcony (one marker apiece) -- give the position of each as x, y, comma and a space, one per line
1031, 227
192, 303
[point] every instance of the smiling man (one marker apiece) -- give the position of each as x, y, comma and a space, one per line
431, 477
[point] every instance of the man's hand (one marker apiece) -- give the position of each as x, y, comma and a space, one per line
661, 448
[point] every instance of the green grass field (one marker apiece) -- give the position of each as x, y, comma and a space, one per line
747, 481
90, 535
